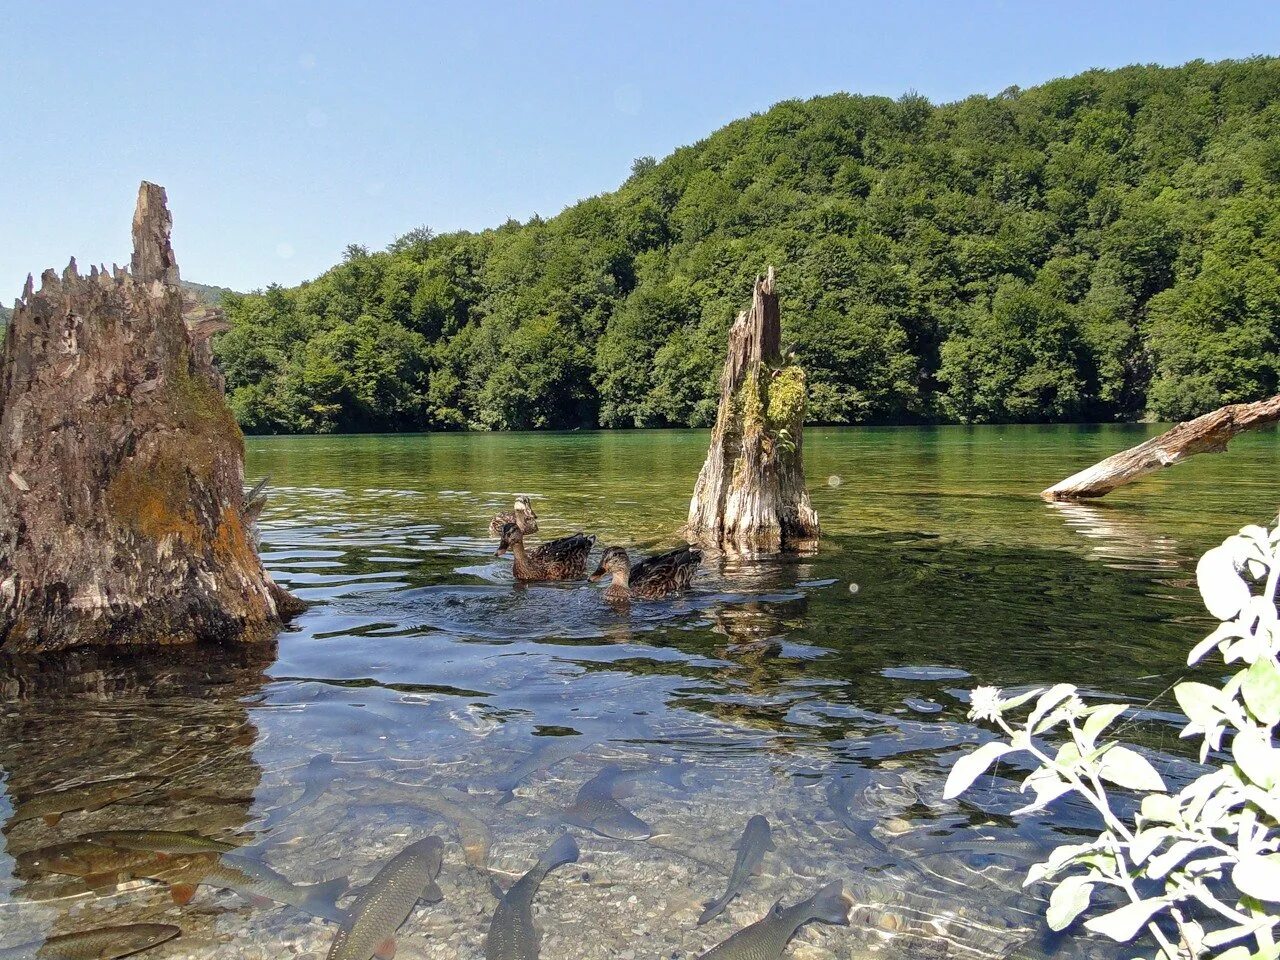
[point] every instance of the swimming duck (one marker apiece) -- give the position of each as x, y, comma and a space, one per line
651, 578
522, 516
563, 559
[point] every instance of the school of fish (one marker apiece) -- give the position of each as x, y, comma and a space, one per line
368, 924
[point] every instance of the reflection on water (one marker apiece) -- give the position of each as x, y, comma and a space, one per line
426, 693
94, 742
1120, 538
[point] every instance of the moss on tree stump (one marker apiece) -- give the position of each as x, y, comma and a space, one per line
122, 515
751, 492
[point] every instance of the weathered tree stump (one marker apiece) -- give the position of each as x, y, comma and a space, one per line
751, 493
121, 467
1207, 434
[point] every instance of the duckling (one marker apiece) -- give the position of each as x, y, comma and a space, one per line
522, 516
651, 578
563, 559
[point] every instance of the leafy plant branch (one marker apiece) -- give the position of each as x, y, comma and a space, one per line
1205, 858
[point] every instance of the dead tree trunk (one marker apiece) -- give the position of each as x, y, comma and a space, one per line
121, 466
751, 493
1208, 434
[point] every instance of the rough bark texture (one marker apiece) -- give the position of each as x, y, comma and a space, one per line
751, 493
121, 466
1208, 434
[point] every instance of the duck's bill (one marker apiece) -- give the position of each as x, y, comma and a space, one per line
597, 575
500, 551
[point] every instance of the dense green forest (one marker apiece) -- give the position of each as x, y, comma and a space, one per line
1097, 248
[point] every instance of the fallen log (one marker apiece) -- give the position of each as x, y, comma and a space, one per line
122, 513
751, 492
1207, 434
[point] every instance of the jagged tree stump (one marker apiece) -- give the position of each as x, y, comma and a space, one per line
751, 493
121, 467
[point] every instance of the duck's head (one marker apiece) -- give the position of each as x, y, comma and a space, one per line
511, 534
525, 506
613, 560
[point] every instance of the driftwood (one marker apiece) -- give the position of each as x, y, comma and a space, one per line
1207, 434
122, 516
751, 493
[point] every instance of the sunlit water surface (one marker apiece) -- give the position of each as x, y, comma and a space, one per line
776, 687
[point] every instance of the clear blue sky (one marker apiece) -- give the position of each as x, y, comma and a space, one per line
284, 131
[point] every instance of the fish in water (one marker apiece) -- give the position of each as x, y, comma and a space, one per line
100, 866
756, 840
768, 937
51, 805
104, 943
550, 751
596, 806
387, 901
251, 879
319, 776
445, 802
839, 792
173, 842
512, 935
840, 796
1013, 849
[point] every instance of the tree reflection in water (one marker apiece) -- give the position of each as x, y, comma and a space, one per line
119, 740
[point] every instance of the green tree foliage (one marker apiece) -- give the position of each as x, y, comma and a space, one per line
1101, 247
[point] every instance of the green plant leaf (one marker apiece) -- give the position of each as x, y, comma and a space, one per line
1048, 700
1258, 876
1256, 757
1048, 786
1264, 801
1128, 768
1235, 953
1068, 901
971, 766
1162, 864
1059, 859
1221, 587
1261, 690
1159, 808
1020, 699
1225, 631
1200, 702
1145, 841
1121, 925
1100, 717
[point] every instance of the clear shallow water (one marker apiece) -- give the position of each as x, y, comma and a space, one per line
436, 683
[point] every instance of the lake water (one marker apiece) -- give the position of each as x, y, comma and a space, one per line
437, 685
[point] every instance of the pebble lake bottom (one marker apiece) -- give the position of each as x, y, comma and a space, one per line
455, 702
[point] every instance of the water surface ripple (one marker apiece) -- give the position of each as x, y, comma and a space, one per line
424, 691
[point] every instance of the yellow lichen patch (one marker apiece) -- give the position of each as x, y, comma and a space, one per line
231, 544
752, 405
153, 497
786, 398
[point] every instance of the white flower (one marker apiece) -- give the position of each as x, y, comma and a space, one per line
985, 704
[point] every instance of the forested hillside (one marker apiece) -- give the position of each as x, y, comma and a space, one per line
1097, 248
205, 293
